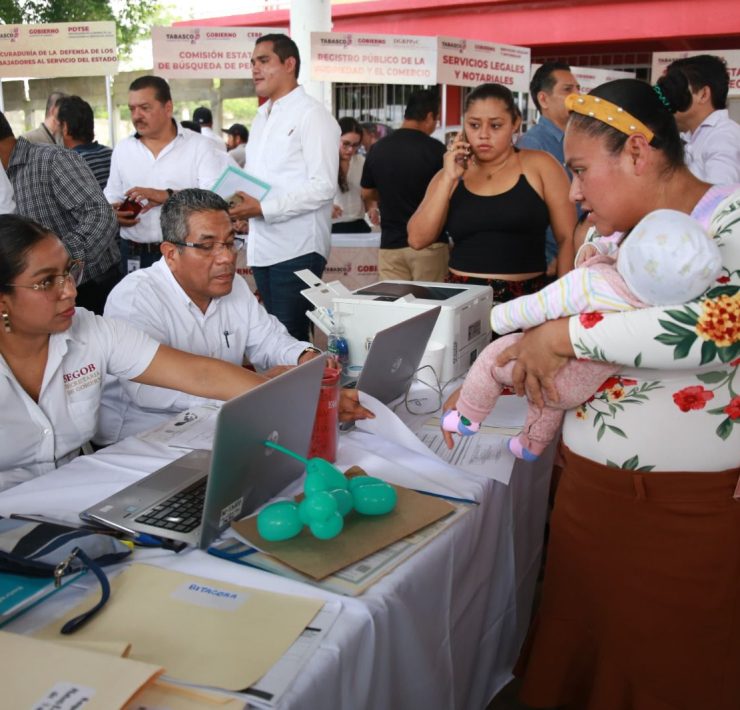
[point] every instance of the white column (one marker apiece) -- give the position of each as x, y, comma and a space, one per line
308, 16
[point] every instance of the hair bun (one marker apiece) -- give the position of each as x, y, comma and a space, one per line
663, 98
674, 89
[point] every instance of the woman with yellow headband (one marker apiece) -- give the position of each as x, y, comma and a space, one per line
641, 598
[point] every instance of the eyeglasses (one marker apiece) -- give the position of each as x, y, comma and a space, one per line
353, 146
233, 246
53, 284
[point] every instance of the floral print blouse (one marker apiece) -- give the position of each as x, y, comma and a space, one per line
675, 405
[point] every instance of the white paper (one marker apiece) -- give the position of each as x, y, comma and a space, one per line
233, 180
191, 429
65, 696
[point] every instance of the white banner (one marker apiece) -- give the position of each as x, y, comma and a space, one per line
373, 59
732, 56
58, 49
467, 62
205, 52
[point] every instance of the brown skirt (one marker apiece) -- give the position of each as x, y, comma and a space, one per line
641, 599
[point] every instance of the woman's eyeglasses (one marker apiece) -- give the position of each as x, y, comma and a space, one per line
233, 246
348, 145
53, 285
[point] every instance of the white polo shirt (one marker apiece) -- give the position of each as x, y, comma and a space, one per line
36, 438
294, 147
232, 327
213, 137
713, 149
189, 160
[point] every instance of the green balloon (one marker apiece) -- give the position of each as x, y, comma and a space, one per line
329, 528
279, 521
317, 507
358, 481
333, 476
344, 500
315, 482
374, 499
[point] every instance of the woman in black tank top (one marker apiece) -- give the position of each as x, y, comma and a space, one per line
496, 202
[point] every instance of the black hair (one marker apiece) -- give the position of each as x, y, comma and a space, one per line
421, 103
18, 235
284, 47
494, 91
347, 124
693, 73
641, 101
543, 80
174, 217
192, 125
77, 115
161, 87
5, 130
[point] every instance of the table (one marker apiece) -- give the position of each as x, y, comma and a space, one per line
442, 631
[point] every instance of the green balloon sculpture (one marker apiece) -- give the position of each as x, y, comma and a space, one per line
328, 497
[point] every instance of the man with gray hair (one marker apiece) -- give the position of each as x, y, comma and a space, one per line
49, 132
191, 300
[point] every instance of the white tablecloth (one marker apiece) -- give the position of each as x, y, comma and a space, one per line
442, 631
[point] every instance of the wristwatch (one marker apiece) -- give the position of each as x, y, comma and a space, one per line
309, 349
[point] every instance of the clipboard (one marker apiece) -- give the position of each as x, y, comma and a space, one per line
234, 179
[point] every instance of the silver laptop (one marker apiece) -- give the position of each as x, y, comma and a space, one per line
394, 356
195, 498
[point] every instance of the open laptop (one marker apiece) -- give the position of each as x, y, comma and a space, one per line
394, 356
194, 498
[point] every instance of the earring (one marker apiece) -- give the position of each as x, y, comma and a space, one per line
6, 321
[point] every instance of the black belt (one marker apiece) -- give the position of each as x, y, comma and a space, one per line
142, 247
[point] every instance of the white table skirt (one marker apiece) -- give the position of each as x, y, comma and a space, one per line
442, 631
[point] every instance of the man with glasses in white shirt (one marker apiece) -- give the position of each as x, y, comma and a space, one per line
191, 300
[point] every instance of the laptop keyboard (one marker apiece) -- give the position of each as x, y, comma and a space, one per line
181, 512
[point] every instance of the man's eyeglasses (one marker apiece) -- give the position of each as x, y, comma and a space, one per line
53, 285
353, 146
233, 246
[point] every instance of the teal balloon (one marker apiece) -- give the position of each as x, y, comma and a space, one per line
315, 481
358, 481
279, 521
317, 507
374, 499
344, 500
329, 528
333, 476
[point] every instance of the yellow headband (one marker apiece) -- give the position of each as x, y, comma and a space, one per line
609, 113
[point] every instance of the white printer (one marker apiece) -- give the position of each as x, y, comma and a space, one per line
463, 326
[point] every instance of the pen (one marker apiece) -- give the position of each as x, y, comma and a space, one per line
469, 501
226, 337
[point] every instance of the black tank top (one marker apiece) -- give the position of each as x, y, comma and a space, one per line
498, 234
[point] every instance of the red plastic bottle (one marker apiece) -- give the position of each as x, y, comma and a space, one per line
326, 424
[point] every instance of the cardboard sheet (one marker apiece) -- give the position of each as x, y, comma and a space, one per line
362, 534
42, 674
202, 631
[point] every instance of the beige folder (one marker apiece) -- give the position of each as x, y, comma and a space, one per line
202, 631
37, 673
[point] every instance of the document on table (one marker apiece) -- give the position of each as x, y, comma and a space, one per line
191, 429
184, 622
236, 180
484, 454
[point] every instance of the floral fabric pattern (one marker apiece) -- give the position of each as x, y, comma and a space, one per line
675, 405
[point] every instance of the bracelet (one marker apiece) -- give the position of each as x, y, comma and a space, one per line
310, 349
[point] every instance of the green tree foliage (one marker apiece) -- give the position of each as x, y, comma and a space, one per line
133, 18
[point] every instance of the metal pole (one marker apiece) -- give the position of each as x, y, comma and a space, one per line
111, 117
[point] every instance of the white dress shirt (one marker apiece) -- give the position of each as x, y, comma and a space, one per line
293, 147
351, 201
232, 327
189, 160
213, 137
37, 437
713, 149
7, 198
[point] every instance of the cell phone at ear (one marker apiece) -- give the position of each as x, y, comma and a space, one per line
129, 205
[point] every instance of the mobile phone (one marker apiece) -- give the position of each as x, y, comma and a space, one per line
129, 205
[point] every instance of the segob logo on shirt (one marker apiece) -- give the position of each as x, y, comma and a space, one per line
82, 378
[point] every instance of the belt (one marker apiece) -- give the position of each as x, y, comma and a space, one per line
142, 247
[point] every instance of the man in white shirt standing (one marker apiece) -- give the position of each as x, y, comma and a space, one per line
712, 137
293, 148
191, 300
149, 166
204, 118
